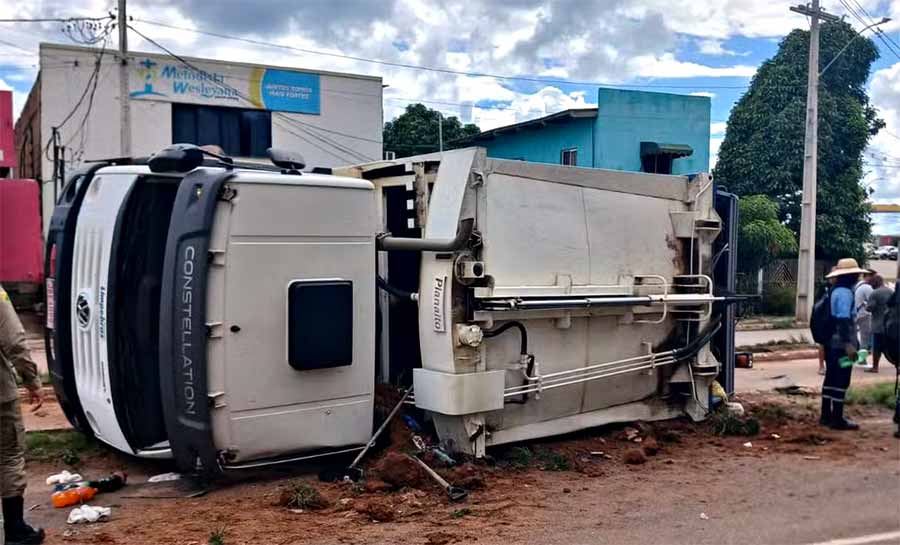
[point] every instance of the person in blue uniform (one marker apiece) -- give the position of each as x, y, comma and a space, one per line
843, 342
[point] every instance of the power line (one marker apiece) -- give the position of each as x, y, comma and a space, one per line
434, 68
895, 47
886, 41
58, 19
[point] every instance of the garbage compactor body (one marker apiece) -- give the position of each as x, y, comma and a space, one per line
582, 296
229, 317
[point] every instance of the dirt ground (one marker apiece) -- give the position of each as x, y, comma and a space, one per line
602, 482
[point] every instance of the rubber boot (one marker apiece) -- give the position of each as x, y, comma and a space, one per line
17, 532
825, 419
838, 422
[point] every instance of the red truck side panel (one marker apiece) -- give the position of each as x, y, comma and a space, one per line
21, 259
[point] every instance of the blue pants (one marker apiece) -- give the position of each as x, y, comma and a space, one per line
834, 389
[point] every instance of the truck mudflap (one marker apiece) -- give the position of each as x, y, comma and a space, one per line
58, 277
183, 328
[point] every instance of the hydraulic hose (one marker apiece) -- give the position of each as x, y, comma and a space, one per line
395, 291
523, 334
523, 350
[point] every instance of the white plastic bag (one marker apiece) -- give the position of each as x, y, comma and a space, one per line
63, 477
88, 513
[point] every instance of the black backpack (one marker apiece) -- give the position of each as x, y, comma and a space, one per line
820, 323
892, 329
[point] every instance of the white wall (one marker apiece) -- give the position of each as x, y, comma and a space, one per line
346, 130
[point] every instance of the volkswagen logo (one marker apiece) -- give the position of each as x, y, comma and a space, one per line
83, 310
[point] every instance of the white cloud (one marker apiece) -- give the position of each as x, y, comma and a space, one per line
718, 127
667, 66
715, 47
883, 153
703, 94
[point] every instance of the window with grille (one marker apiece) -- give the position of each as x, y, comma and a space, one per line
569, 157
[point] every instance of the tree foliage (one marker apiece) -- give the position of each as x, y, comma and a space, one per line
762, 237
763, 148
415, 131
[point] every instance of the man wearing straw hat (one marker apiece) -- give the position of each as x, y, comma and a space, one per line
843, 342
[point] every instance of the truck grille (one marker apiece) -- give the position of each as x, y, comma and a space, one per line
87, 315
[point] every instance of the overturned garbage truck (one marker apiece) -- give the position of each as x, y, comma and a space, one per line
235, 315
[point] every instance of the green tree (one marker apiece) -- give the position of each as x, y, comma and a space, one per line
763, 148
762, 237
415, 131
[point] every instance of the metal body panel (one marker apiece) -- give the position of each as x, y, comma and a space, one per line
625, 249
265, 238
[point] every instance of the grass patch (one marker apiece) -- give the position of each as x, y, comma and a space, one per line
550, 460
881, 394
67, 446
723, 422
302, 496
460, 513
520, 457
217, 537
772, 412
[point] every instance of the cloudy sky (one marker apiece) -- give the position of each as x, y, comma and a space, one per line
709, 47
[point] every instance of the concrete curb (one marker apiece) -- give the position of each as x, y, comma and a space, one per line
786, 355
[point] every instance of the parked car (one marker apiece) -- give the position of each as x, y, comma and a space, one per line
886, 252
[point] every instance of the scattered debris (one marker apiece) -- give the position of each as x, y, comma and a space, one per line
88, 514
375, 509
670, 461
455, 493
377, 485
631, 434
398, 470
650, 446
567, 490
35, 506
64, 477
164, 477
635, 457
734, 408
775, 436
812, 457
704, 516
748, 444
467, 476
725, 423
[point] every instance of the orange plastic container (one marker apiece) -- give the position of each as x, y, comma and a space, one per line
73, 496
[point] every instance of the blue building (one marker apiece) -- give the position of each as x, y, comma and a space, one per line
628, 130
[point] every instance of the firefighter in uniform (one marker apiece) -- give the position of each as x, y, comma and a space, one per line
14, 355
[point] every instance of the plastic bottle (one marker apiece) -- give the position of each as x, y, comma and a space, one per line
72, 496
861, 356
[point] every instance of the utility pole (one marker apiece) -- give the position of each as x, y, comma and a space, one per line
806, 262
124, 87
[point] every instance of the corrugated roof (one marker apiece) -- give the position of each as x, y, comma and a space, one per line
558, 117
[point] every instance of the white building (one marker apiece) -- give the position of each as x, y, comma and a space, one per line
330, 118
